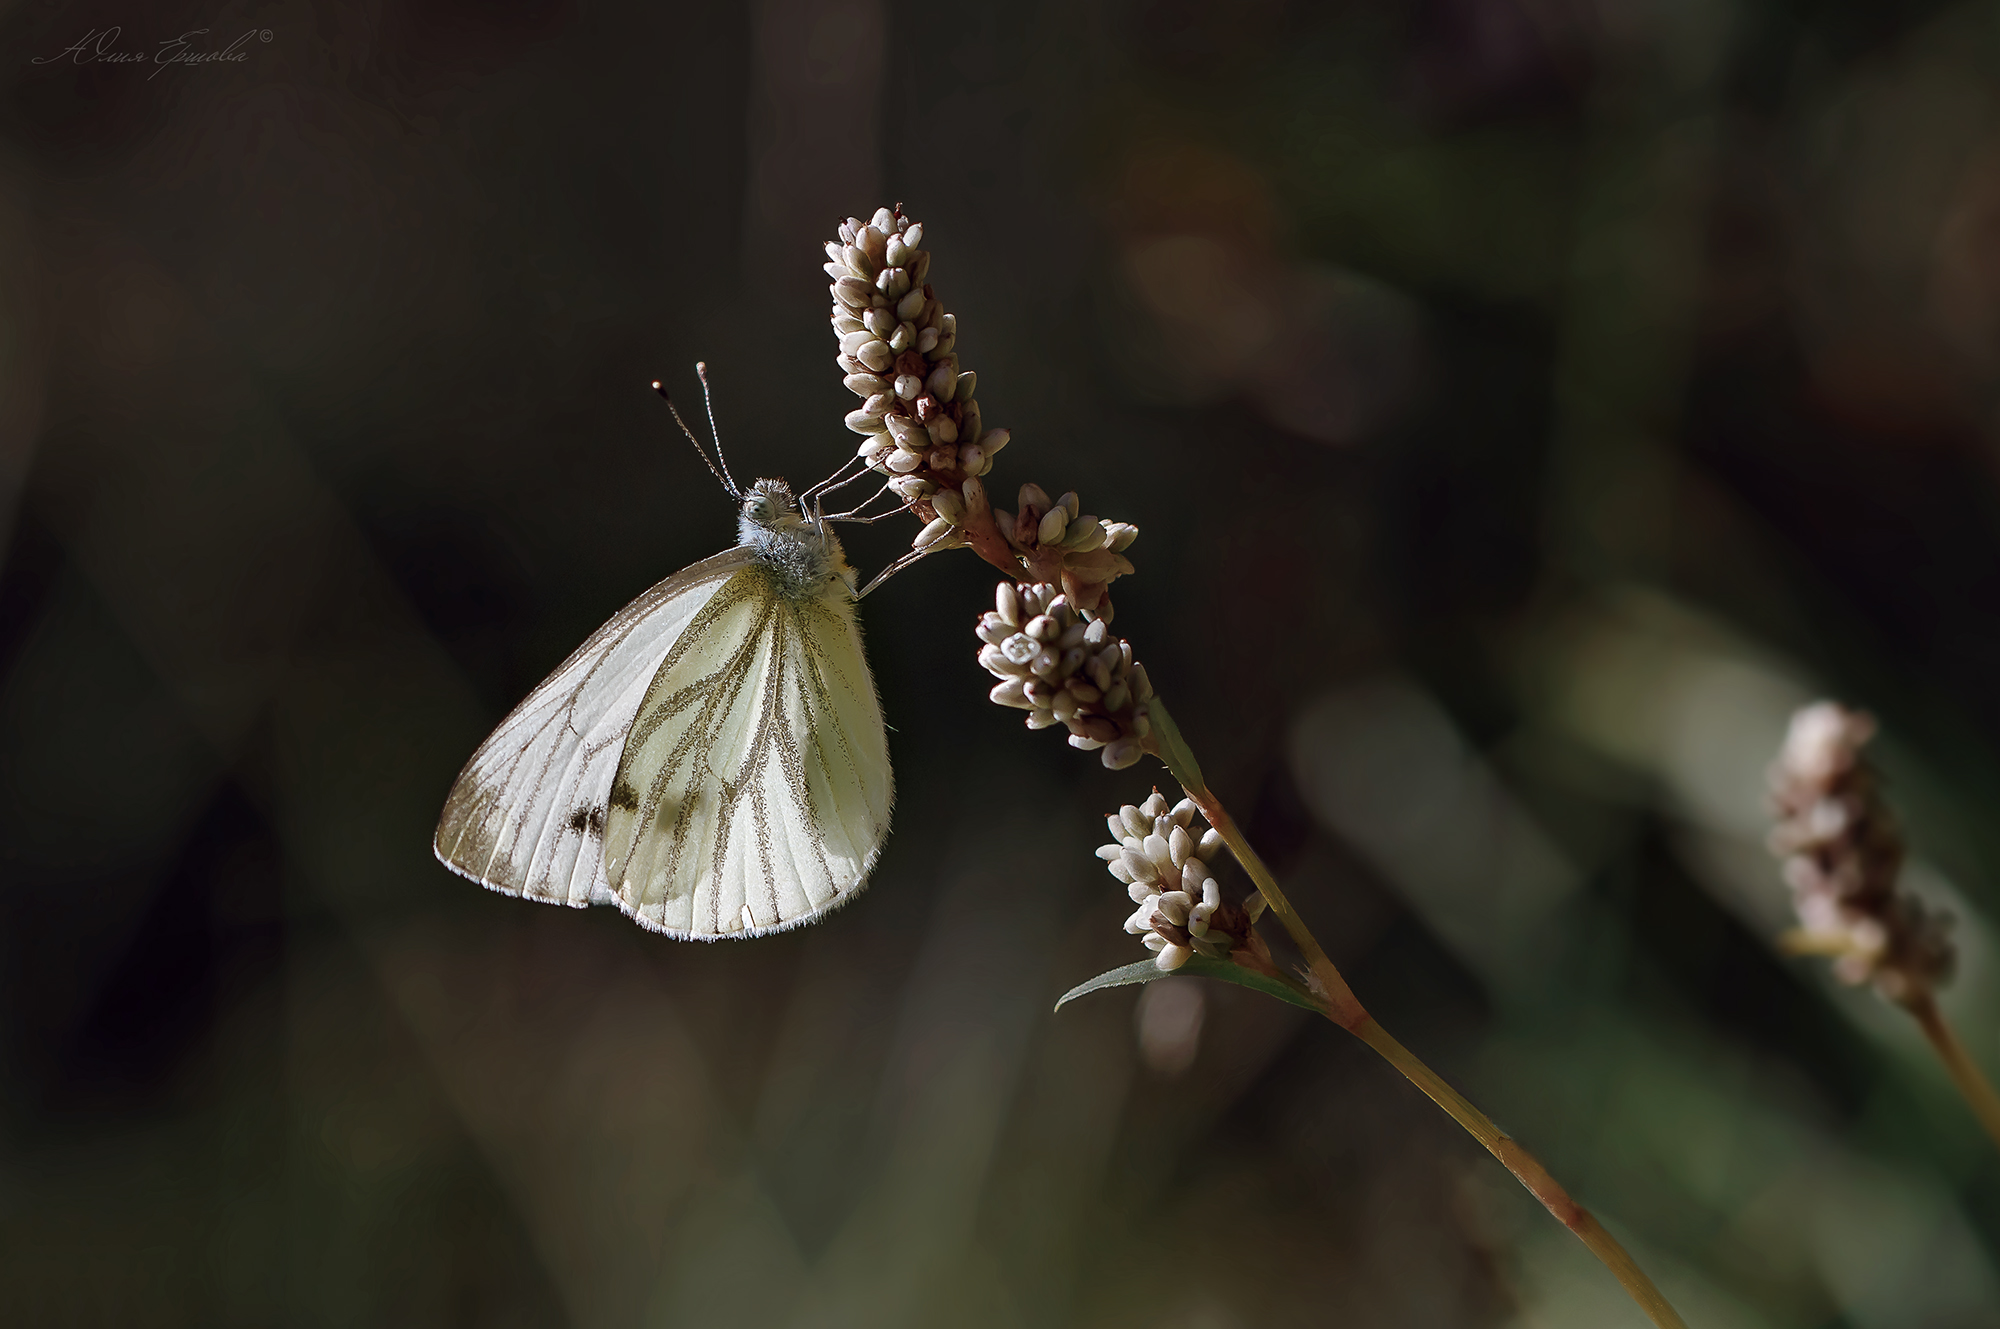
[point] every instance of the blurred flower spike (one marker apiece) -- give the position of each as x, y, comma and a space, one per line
1163, 861
1843, 858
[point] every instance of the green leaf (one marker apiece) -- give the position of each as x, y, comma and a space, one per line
1174, 749
1197, 966
1145, 971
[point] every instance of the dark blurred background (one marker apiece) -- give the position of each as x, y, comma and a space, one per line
1524, 402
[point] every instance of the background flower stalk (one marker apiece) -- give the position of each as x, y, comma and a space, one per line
1842, 855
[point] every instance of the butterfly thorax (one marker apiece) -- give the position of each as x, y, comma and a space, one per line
804, 556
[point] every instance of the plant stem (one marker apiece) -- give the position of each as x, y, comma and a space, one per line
1345, 1010
1974, 1085
1528, 1170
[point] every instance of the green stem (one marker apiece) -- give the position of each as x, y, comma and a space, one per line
1974, 1085
1344, 1009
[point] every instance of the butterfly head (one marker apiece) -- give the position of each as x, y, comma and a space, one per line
768, 505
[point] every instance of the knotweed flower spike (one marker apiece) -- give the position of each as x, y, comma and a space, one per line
1162, 859
1843, 857
920, 423
1082, 554
896, 345
1064, 670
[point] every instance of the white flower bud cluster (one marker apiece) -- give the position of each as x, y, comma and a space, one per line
918, 420
1060, 524
1163, 861
1062, 669
1058, 538
1843, 859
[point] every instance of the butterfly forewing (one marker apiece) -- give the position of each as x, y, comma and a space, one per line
527, 814
754, 789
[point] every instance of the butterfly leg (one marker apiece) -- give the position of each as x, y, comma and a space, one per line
853, 520
838, 480
903, 562
854, 514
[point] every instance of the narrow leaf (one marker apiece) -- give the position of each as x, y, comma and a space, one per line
1173, 748
1145, 971
1197, 966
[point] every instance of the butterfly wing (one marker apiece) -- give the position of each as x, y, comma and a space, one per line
527, 814
754, 791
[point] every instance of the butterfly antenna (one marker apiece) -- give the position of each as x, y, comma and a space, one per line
708, 400
721, 476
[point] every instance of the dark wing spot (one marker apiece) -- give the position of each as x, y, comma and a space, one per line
579, 819
624, 796
587, 819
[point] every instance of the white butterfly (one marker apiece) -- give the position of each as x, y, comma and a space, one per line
712, 760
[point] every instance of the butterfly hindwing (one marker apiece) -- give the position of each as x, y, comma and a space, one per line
753, 792
527, 814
